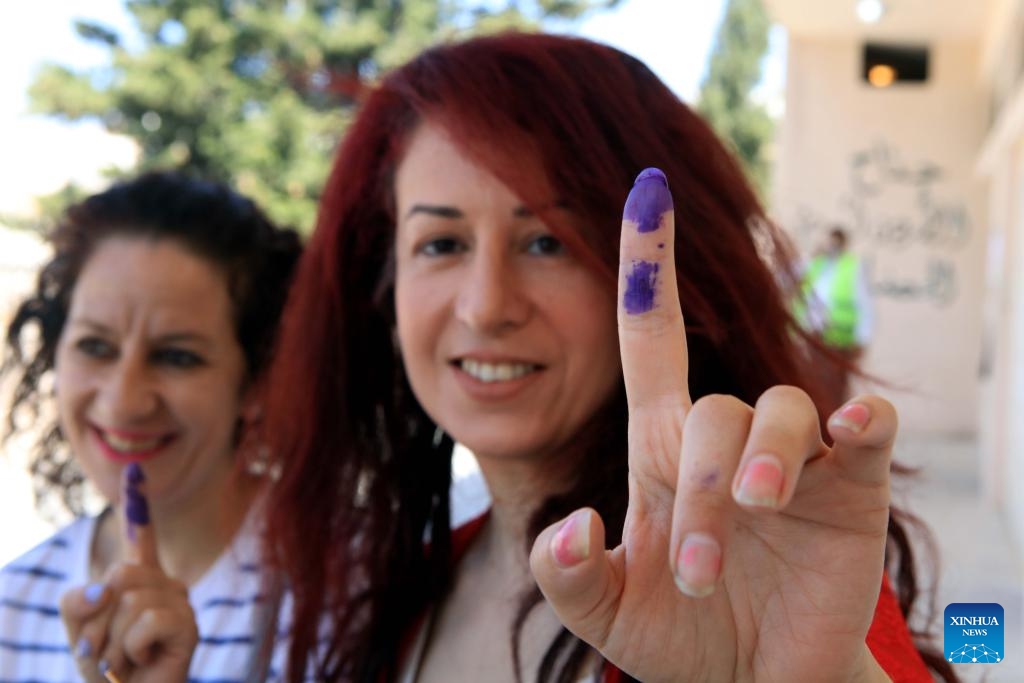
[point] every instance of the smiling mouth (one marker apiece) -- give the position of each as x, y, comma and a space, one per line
495, 372
129, 446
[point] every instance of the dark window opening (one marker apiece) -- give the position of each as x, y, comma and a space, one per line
885, 65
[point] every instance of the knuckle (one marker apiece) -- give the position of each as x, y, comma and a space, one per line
785, 393
119, 575
799, 407
132, 601
794, 404
718, 410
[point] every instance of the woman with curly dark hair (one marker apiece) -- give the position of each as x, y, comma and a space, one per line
155, 319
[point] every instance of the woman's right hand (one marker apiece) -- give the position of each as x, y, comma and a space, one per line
137, 626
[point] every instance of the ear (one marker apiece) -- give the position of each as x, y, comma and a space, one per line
251, 410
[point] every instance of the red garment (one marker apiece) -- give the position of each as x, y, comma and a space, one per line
888, 637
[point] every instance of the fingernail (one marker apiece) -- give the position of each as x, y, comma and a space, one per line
761, 483
571, 544
640, 285
854, 416
93, 592
136, 508
698, 565
648, 201
104, 667
83, 648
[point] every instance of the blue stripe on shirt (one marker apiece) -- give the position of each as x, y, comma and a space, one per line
232, 602
216, 641
32, 647
40, 572
45, 610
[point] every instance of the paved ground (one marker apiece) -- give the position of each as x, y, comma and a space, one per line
978, 561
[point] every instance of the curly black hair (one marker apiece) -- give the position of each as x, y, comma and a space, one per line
207, 218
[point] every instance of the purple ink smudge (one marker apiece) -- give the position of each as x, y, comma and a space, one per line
648, 200
709, 480
136, 508
640, 284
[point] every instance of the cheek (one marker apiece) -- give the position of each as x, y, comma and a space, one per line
419, 319
71, 385
596, 335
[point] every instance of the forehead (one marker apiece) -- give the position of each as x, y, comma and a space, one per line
433, 166
133, 276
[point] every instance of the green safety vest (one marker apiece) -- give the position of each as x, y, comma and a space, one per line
841, 313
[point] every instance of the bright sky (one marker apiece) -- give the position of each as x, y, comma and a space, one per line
40, 154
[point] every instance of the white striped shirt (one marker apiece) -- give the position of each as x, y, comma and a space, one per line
227, 600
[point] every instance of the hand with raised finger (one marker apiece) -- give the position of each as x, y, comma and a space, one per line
142, 629
150, 620
750, 550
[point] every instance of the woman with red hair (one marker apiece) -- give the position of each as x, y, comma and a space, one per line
468, 282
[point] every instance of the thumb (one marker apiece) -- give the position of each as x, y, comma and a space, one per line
577, 576
140, 541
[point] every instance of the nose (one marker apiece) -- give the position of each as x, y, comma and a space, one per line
127, 392
492, 297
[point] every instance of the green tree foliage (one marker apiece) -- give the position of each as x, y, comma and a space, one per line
733, 71
258, 92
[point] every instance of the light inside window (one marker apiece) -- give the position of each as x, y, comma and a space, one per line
881, 75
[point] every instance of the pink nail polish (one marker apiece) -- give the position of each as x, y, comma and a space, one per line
571, 544
854, 416
698, 565
761, 483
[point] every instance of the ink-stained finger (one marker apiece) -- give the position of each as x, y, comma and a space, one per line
140, 540
652, 338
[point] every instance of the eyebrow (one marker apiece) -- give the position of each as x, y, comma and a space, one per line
169, 338
453, 213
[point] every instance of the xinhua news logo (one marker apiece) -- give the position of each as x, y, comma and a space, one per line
974, 633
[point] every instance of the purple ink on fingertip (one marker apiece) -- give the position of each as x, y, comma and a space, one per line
640, 285
652, 173
648, 201
136, 507
135, 474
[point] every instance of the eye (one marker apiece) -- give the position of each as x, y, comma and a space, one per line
546, 245
177, 358
95, 347
441, 246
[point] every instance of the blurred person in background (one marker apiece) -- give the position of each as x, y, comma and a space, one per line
836, 308
155, 318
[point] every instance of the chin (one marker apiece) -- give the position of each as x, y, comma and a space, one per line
491, 446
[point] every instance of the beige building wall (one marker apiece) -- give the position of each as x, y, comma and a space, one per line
1001, 162
896, 166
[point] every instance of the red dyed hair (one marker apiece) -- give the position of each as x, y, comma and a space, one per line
365, 472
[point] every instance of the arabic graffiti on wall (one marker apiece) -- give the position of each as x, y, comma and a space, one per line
903, 222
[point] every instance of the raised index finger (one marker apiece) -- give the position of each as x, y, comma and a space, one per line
140, 542
652, 339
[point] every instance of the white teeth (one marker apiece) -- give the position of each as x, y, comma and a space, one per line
131, 445
495, 372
